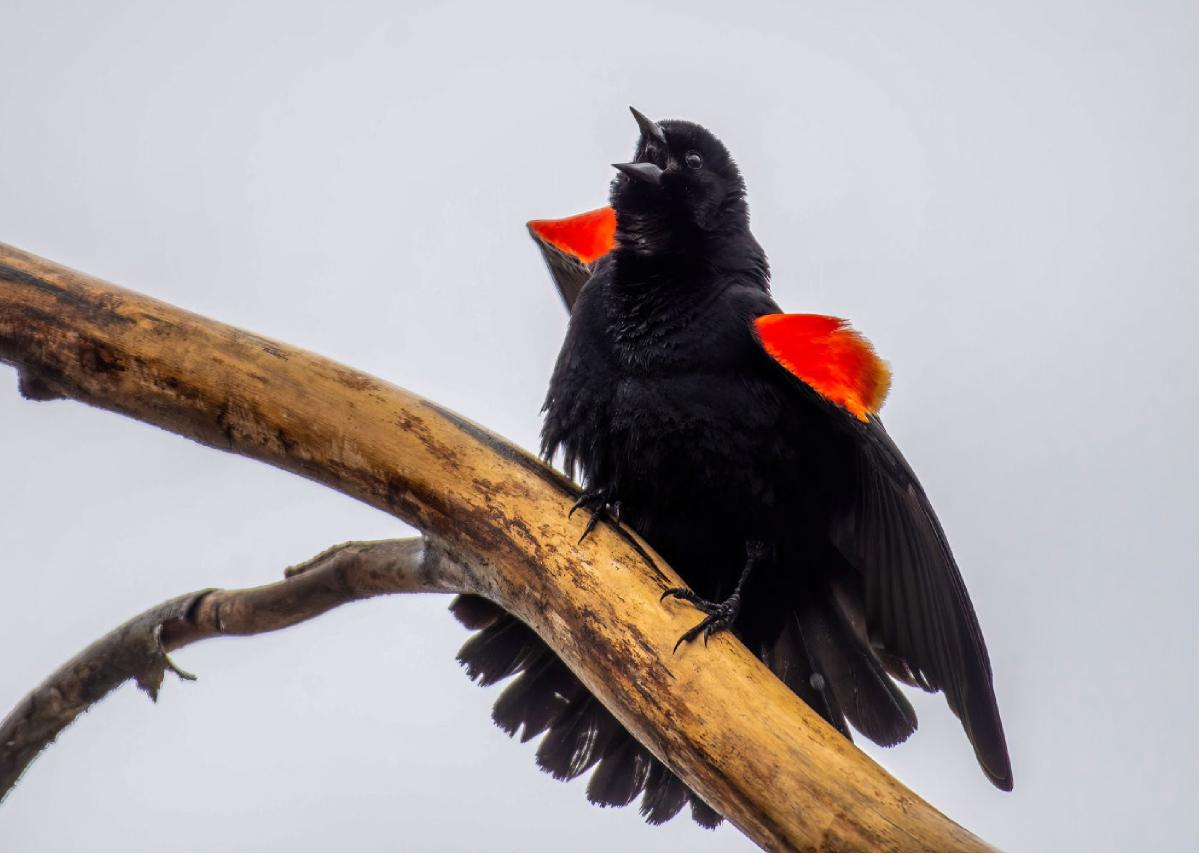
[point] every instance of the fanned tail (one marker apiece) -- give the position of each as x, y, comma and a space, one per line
546, 698
821, 652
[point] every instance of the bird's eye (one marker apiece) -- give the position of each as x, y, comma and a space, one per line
693, 160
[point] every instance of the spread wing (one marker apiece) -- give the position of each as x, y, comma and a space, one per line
919, 617
572, 246
917, 606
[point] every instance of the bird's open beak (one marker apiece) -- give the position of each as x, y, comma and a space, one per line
647, 172
649, 129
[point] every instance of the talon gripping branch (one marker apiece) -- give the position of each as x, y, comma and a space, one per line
745, 445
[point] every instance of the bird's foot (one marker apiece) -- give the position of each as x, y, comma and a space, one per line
599, 503
720, 615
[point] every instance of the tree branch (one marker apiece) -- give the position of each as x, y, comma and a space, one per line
777, 771
137, 649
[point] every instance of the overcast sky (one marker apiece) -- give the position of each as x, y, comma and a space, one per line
1001, 195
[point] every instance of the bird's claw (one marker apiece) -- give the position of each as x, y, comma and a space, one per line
600, 503
719, 615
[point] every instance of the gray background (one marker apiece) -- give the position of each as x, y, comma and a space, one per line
1002, 196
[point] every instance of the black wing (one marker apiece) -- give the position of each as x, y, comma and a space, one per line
569, 273
918, 612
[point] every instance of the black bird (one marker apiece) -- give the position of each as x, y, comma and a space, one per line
745, 446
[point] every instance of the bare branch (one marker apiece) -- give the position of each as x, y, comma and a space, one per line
137, 649
776, 769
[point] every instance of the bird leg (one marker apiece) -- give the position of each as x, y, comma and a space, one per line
720, 615
600, 503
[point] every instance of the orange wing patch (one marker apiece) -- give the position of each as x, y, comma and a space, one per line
825, 353
584, 236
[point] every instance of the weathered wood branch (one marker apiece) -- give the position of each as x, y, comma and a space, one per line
715, 715
137, 649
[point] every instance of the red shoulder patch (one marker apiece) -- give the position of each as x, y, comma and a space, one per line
826, 354
584, 236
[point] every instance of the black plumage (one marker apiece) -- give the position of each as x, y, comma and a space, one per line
665, 402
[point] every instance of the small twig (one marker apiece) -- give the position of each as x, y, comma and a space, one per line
137, 649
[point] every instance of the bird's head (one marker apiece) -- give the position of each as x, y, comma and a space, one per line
681, 185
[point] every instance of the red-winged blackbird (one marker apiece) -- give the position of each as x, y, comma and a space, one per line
745, 446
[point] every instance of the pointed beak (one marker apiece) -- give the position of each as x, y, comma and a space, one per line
649, 129
647, 172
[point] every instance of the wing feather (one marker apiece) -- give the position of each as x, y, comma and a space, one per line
571, 247
918, 610
919, 618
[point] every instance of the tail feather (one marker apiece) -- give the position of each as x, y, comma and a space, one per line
499, 650
576, 742
665, 795
545, 697
475, 612
821, 652
703, 814
865, 693
537, 698
788, 657
621, 775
